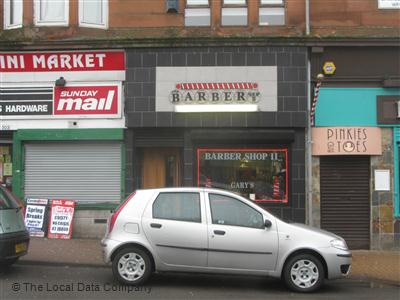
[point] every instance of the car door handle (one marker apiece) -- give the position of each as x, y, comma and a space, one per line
219, 232
155, 225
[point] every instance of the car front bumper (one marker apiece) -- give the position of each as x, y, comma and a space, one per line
14, 244
338, 262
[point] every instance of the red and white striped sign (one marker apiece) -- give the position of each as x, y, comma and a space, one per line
217, 86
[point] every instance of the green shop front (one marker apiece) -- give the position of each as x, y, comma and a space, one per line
63, 127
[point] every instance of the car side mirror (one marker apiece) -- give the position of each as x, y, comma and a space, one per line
267, 223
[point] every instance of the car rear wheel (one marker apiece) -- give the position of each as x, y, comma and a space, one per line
132, 266
304, 273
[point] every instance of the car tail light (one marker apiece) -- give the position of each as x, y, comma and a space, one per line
114, 216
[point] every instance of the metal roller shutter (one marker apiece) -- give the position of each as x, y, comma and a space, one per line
345, 198
88, 172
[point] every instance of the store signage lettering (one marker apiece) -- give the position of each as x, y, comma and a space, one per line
35, 216
217, 93
258, 174
241, 155
26, 108
62, 61
62, 214
347, 141
242, 185
85, 100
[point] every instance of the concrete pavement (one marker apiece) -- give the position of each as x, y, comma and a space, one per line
378, 265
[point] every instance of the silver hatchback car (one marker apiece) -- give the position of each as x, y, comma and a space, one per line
215, 231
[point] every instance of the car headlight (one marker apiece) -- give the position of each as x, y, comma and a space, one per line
339, 244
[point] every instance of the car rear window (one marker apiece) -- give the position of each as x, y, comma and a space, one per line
6, 202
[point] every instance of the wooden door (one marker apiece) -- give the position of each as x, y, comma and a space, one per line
161, 167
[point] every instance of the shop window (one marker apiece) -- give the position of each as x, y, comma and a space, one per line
234, 13
229, 211
13, 14
197, 13
93, 13
257, 174
177, 207
51, 12
272, 12
5, 165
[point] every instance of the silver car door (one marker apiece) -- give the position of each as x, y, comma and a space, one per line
238, 238
175, 225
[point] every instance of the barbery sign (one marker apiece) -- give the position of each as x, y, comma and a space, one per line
62, 61
347, 141
222, 87
215, 93
86, 100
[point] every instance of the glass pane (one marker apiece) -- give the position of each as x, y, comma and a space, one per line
270, 2
257, 174
229, 211
52, 10
234, 2
15, 12
92, 12
177, 206
196, 2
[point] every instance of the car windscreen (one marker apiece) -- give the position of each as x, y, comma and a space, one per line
6, 202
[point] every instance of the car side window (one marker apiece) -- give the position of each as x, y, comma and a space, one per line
226, 210
178, 207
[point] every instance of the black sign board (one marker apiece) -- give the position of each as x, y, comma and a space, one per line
26, 101
18, 108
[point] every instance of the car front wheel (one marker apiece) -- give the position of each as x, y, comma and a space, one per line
132, 266
304, 273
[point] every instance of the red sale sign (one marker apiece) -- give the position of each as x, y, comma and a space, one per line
61, 216
86, 100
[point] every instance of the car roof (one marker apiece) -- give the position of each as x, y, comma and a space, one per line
189, 189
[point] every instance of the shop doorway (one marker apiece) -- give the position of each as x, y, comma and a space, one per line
345, 198
161, 168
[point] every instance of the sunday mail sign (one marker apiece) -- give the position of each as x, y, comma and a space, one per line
86, 100
76, 101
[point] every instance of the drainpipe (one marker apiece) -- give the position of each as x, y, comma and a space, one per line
309, 219
307, 17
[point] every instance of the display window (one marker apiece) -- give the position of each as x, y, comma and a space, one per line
257, 174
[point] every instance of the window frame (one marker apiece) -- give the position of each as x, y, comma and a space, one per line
263, 6
196, 8
105, 12
39, 22
225, 4
234, 7
262, 226
199, 221
7, 15
282, 4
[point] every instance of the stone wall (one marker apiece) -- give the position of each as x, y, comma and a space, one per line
382, 227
